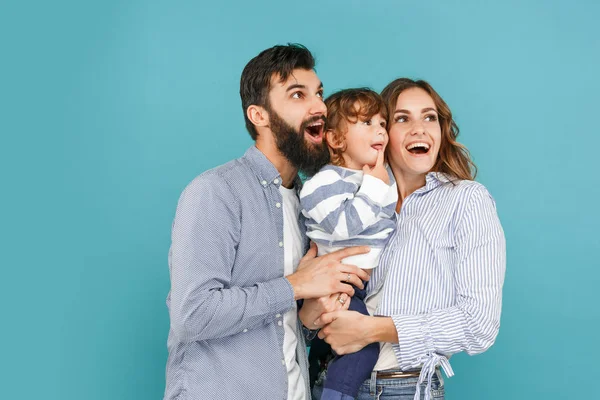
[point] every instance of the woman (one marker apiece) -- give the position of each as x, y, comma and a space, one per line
438, 290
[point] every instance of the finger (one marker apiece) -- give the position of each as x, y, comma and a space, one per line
379, 158
346, 302
328, 318
341, 301
311, 253
349, 251
344, 288
351, 279
366, 169
354, 270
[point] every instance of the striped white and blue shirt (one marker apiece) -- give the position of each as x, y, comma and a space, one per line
344, 207
441, 274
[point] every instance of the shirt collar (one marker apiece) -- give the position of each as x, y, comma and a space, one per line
435, 179
265, 171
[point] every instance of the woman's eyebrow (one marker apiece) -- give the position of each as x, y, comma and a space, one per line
423, 111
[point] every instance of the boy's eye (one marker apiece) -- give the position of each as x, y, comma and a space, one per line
383, 124
431, 118
367, 122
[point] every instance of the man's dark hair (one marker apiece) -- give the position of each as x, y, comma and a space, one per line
255, 83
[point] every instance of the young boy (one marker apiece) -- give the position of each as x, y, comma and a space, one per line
351, 202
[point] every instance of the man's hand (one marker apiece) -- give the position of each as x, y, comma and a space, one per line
326, 275
314, 308
378, 171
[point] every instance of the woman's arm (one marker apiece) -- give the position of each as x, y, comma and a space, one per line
470, 325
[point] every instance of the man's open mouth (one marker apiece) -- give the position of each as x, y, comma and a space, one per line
418, 148
315, 130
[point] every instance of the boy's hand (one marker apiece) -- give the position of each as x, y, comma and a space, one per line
378, 171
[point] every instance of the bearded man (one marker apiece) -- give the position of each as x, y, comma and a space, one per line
236, 259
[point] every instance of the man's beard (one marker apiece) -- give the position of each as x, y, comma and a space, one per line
305, 156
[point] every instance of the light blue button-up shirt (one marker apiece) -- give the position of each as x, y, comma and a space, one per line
441, 274
228, 292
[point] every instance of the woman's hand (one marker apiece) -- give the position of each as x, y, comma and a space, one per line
312, 309
346, 331
350, 331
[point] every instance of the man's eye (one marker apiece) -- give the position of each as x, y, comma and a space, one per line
320, 94
297, 95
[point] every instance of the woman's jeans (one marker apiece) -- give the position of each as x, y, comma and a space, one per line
390, 389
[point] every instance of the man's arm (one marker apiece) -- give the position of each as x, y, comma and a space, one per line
205, 236
204, 304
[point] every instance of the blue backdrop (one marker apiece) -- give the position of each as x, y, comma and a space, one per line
109, 108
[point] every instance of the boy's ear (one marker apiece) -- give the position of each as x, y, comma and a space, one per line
331, 140
257, 115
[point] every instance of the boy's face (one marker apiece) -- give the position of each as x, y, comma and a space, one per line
363, 140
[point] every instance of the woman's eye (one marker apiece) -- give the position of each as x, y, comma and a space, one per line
431, 118
401, 118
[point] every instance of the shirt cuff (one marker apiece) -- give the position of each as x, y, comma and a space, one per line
280, 295
414, 340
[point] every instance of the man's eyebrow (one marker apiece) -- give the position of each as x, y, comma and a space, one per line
299, 86
295, 86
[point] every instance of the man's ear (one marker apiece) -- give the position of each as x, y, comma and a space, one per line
331, 140
258, 115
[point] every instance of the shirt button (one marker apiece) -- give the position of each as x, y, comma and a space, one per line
264, 183
245, 330
278, 205
278, 315
280, 244
276, 181
279, 323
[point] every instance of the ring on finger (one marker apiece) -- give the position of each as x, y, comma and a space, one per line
341, 300
348, 278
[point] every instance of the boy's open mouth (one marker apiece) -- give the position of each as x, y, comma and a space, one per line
418, 148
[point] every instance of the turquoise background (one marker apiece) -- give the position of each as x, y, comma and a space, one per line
109, 108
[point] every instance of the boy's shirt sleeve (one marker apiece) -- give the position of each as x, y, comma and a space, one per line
344, 208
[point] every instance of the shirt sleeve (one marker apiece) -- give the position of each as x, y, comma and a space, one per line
343, 209
473, 323
205, 235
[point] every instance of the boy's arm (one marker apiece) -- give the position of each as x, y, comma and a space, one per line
343, 209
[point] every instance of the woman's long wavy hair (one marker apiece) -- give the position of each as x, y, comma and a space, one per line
453, 158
